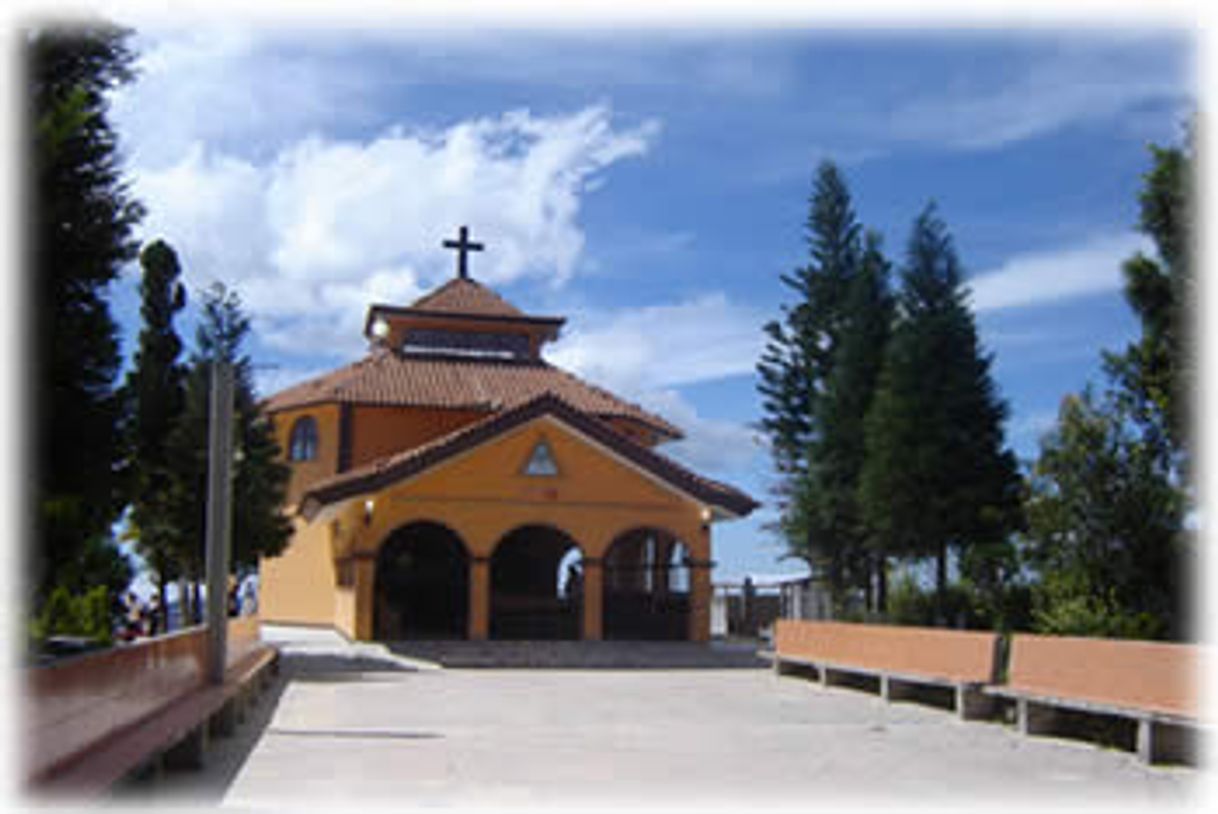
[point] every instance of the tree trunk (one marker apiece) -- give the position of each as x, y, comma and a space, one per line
184, 612
197, 603
881, 583
160, 620
869, 584
941, 586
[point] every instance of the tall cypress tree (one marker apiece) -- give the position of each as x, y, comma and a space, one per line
798, 360
937, 478
839, 452
81, 223
154, 392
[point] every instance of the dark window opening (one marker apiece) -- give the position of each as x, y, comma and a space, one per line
303, 443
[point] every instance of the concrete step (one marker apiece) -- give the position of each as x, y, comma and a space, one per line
631, 655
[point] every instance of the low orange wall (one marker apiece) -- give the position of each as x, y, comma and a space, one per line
957, 655
244, 637
1156, 676
73, 705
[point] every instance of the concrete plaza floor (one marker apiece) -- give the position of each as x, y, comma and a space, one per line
355, 725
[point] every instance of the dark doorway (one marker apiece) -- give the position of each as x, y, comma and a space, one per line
422, 585
535, 587
646, 587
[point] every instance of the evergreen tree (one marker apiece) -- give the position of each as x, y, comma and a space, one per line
1105, 527
154, 392
260, 478
1156, 374
1111, 488
936, 478
82, 218
798, 361
837, 455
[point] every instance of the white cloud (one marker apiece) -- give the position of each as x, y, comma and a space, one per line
1030, 427
644, 354
1038, 278
232, 88
312, 236
662, 346
713, 446
1082, 83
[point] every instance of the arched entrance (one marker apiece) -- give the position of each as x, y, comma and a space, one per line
646, 592
422, 584
535, 590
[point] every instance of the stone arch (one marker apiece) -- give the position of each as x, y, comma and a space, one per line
646, 585
421, 588
530, 596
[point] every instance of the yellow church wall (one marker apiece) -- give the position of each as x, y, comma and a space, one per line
305, 473
298, 586
483, 495
381, 431
344, 611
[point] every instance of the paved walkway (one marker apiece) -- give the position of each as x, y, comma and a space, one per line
356, 725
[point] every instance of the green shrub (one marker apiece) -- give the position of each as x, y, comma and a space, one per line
1061, 613
67, 615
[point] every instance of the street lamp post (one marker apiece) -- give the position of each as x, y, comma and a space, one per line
219, 516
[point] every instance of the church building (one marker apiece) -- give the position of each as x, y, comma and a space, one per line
453, 484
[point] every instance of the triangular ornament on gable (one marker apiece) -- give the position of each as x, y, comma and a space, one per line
541, 461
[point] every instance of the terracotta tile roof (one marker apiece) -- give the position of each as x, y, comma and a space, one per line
468, 300
389, 378
386, 471
466, 296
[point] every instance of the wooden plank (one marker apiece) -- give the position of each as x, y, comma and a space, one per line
926, 653
1157, 677
109, 759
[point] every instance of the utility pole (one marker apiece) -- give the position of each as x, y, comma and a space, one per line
219, 516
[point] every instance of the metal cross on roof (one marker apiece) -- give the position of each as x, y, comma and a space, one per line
463, 246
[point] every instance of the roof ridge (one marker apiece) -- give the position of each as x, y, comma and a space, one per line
465, 282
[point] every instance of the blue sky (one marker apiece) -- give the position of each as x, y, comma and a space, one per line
651, 186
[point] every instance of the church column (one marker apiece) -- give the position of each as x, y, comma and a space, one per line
364, 564
593, 588
479, 598
699, 600
700, 588
661, 567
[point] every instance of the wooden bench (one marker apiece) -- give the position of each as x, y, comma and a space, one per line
93, 720
900, 657
1152, 683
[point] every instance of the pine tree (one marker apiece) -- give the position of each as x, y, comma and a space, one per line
936, 478
837, 457
798, 361
154, 392
82, 218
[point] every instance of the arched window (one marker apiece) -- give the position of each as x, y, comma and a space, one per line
303, 443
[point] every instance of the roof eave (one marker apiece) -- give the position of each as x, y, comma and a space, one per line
731, 505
